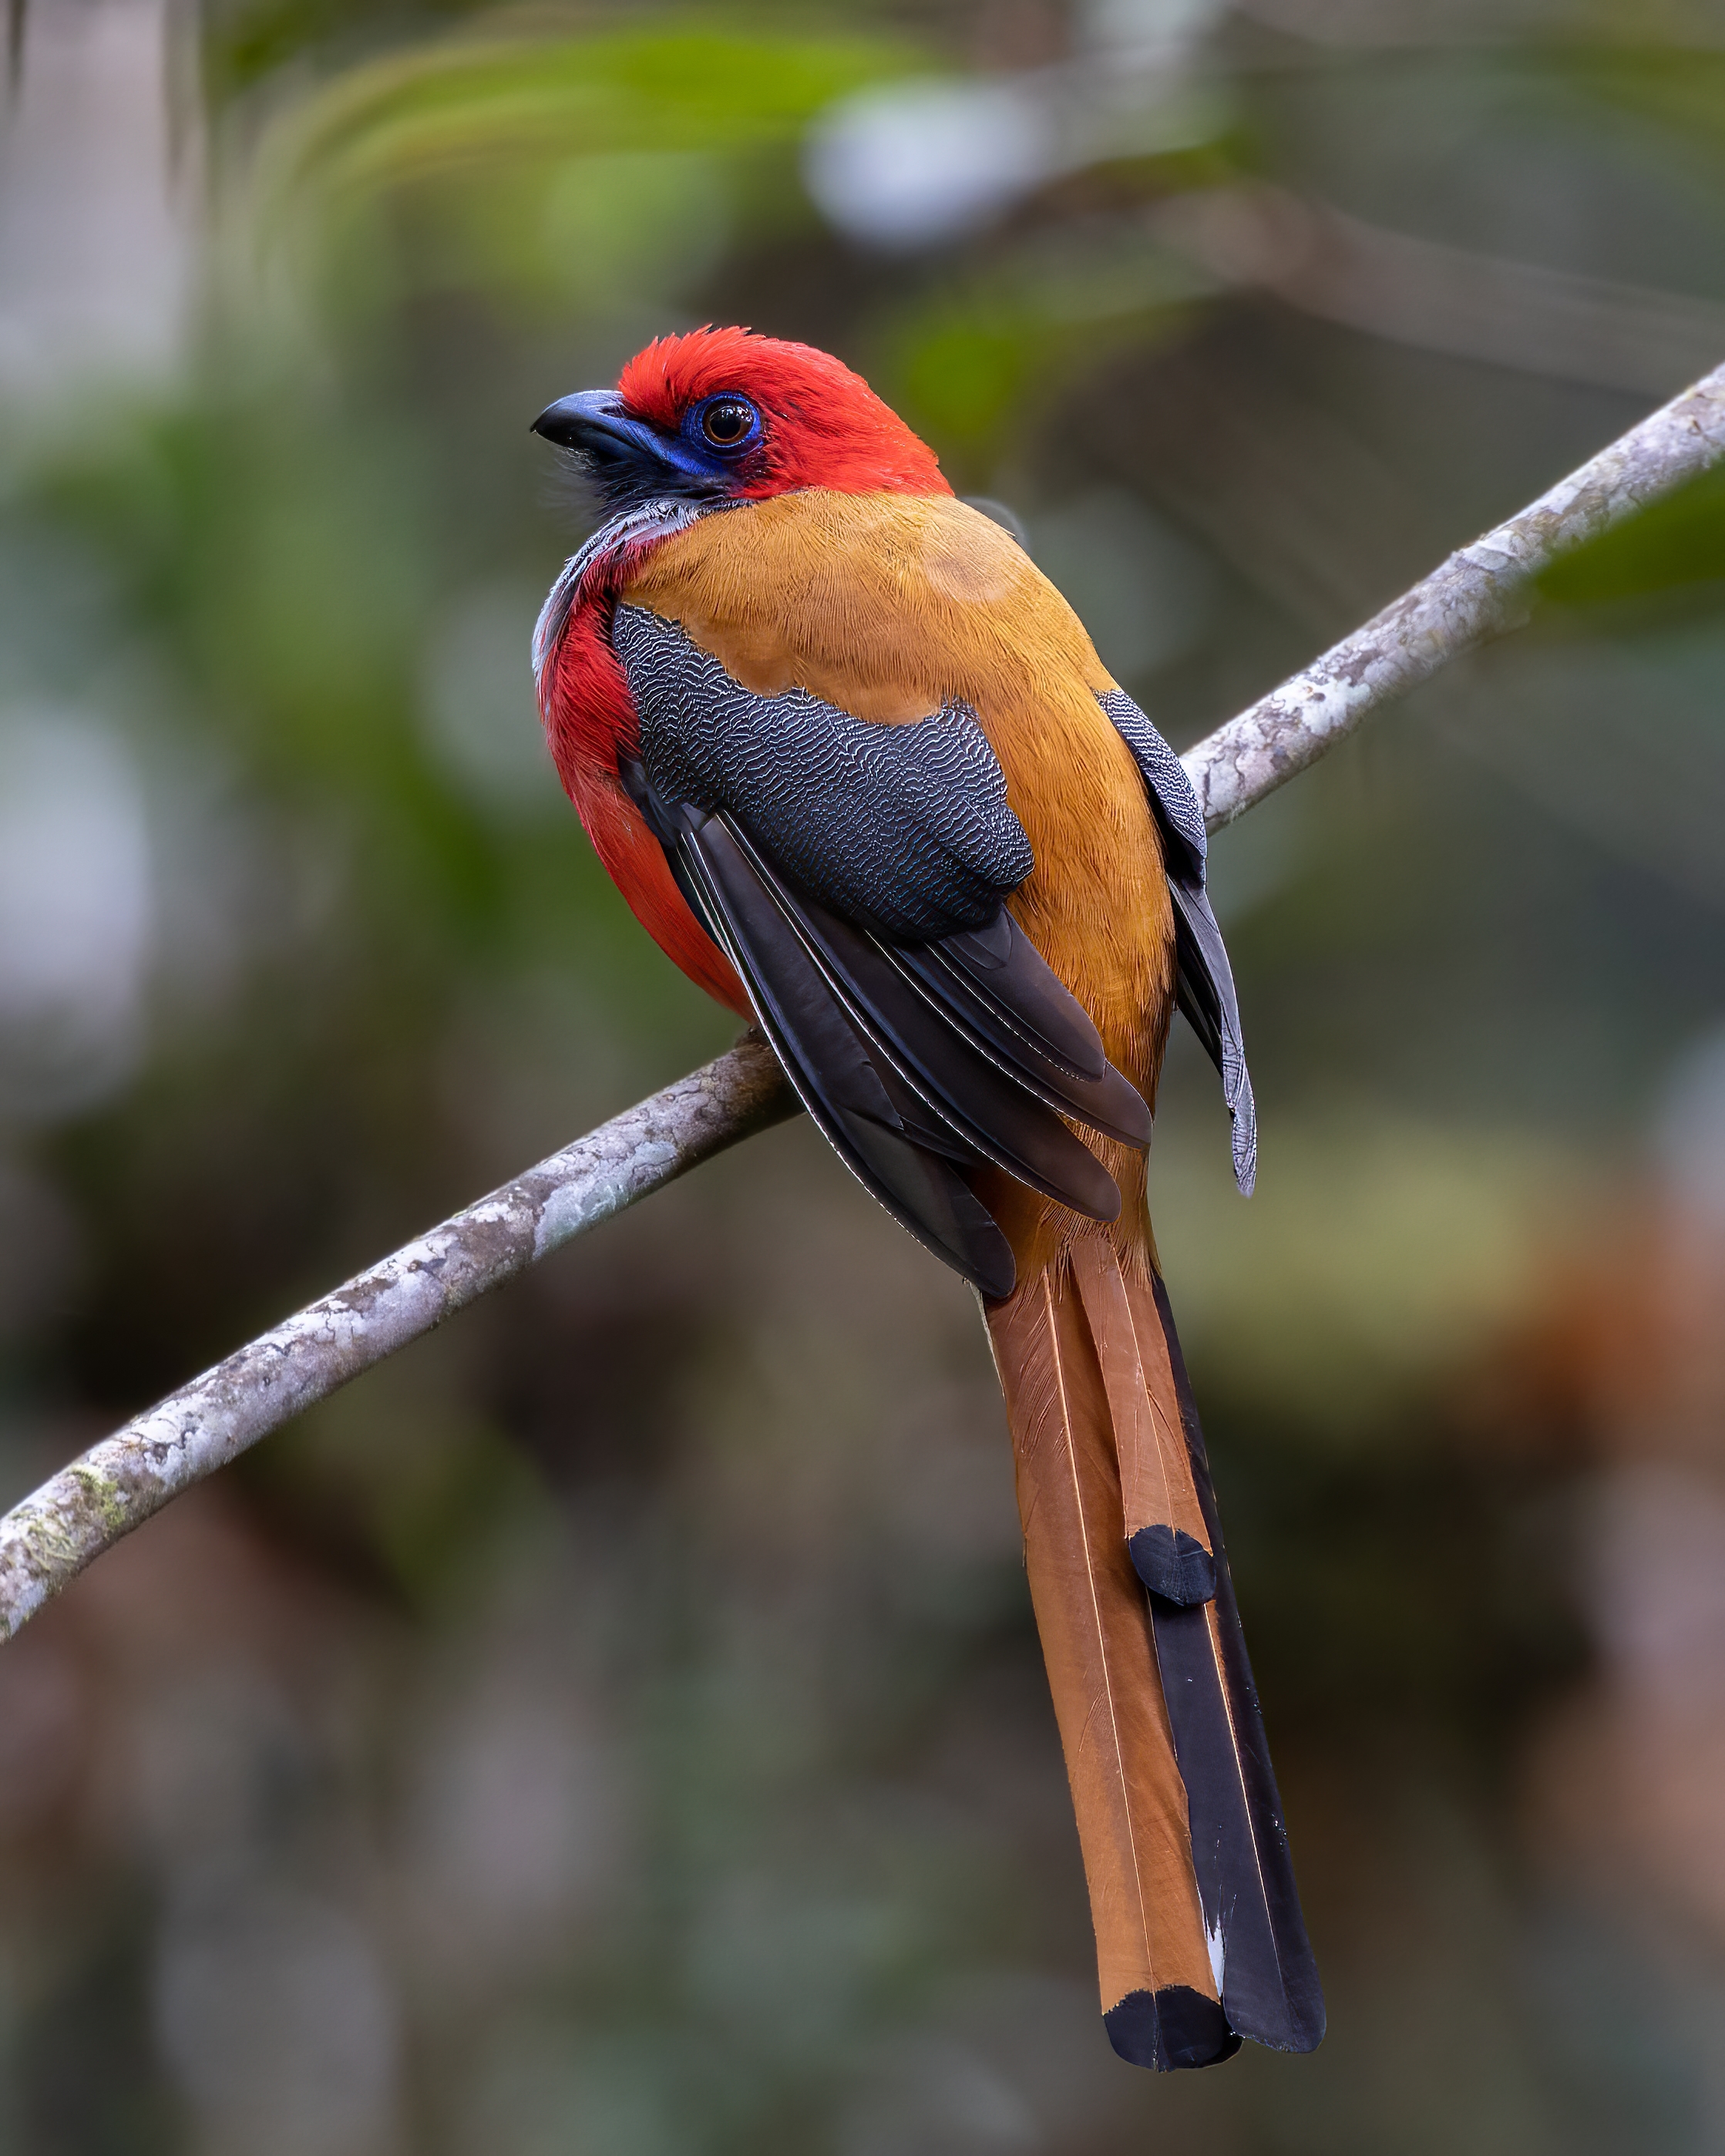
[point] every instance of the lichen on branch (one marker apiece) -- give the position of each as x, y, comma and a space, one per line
1479, 592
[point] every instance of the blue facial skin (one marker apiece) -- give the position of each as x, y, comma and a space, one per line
630, 462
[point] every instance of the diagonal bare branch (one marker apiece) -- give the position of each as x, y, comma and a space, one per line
116, 1485
1480, 592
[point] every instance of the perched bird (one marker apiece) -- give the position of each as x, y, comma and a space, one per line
857, 769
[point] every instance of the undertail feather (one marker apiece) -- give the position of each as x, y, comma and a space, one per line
1159, 1995
1200, 1939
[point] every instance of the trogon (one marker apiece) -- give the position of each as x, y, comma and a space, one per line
856, 767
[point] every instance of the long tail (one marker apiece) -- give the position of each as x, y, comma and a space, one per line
1200, 1939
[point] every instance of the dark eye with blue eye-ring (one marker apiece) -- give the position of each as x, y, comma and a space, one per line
728, 422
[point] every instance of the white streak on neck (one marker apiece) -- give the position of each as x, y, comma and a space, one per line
653, 520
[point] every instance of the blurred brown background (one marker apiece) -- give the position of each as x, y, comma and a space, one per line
616, 1726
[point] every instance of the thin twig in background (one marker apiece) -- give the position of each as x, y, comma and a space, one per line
1478, 593
1553, 323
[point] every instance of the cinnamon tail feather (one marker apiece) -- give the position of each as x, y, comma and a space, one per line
1200, 1938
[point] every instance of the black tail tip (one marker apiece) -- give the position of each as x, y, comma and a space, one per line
1170, 2028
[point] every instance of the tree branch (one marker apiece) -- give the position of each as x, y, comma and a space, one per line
115, 1486
1478, 593
1482, 591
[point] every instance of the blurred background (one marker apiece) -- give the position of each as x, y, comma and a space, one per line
617, 1725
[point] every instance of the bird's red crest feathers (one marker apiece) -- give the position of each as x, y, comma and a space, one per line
824, 425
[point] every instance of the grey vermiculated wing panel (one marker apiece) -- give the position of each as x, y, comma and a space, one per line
905, 828
1204, 987
1163, 773
1204, 979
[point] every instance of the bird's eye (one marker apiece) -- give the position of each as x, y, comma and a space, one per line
726, 422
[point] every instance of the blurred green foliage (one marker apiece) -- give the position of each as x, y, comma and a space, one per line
588, 173
1676, 543
616, 1724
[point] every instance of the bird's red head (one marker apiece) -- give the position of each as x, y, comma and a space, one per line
723, 415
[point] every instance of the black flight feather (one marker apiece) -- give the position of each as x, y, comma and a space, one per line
1004, 1016
1002, 966
1004, 1121
872, 1120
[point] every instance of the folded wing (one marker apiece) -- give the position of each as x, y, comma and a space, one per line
856, 875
